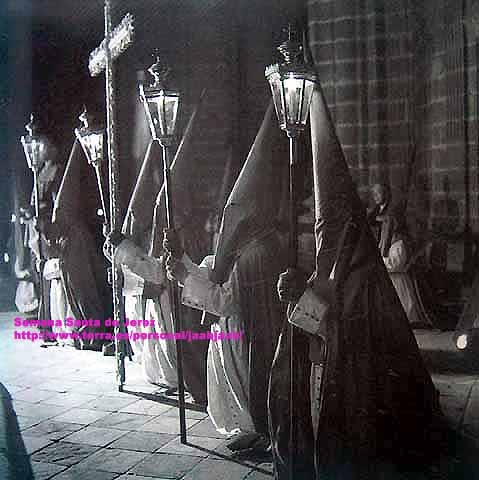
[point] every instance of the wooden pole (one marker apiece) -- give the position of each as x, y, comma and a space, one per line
174, 296
293, 261
114, 196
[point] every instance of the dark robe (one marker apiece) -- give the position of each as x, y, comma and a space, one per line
75, 226
194, 353
48, 180
378, 406
260, 312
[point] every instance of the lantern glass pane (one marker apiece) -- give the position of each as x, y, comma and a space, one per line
307, 95
170, 105
163, 111
293, 88
92, 144
278, 99
35, 151
154, 108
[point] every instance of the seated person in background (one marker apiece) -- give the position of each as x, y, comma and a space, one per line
399, 262
381, 194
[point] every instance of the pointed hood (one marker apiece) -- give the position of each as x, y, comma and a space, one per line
333, 186
78, 196
67, 201
226, 183
253, 205
335, 196
139, 214
181, 170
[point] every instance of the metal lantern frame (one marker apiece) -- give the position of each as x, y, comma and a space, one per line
35, 147
161, 106
292, 86
292, 83
92, 141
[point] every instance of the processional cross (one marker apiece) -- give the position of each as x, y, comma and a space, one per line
101, 59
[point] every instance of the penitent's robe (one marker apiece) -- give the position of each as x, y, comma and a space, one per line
159, 362
378, 405
83, 281
238, 371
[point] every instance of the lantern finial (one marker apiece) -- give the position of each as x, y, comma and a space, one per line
31, 127
159, 71
84, 117
290, 48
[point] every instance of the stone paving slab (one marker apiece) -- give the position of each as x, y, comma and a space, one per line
108, 403
196, 447
40, 411
131, 476
191, 414
64, 453
217, 470
205, 428
45, 471
98, 437
27, 422
263, 471
33, 444
113, 460
80, 415
147, 407
164, 424
142, 441
123, 421
75, 473
71, 399
33, 395
166, 465
52, 429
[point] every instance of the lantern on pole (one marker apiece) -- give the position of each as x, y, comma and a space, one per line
292, 83
35, 148
91, 138
161, 104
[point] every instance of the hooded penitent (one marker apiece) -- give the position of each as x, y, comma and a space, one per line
74, 215
139, 215
388, 399
181, 169
250, 256
378, 401
253, 205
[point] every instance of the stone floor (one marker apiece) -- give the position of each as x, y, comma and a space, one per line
75, 424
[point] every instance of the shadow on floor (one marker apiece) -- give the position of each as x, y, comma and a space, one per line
14, 461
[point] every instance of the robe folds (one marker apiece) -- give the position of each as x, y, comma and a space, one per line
82, 287
378, 406
374, 405
404, 282
159, 362
238, 371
